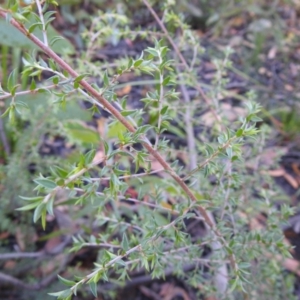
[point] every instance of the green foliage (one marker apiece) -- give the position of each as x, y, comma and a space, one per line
154, 234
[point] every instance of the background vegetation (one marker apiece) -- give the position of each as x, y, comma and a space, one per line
212, 85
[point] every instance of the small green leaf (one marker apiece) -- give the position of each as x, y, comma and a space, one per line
55, 79
110, 255
105, 79
64, 295
12, 80
65, 281
106, 147
143, 129
38, 211
240, 132
49, 206
126, 113
32, 85
93, 288
89, 156
120, 262
58, 171
164, 109
35, 25
125, 243
28, 207
49, 184
79, 132
49, 22
22, 104
152, 51
6, 112
12, 114
80, 77
55, 39
166, 81
43, 219
164, 51
137, 63
32, 199
229, 152
130, 63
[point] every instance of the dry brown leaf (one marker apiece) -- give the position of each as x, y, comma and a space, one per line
169, 291
9, 265
262, 71
184, 156
199, 33
20, 237
288, 87
132, 193
123, 91
291, 180
99, 155
4, 235
102, 127
149, 293
269, 155
276, 173
295, 168
294, 69
156, 166
237, 21
126, 77
52, 243
292, 265
272, 53
231, 113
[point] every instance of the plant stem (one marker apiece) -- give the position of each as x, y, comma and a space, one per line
38, 4
179, 54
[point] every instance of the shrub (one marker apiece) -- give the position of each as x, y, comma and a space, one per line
140, 216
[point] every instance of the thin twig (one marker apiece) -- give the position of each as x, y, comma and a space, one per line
4, 278
209, 159
160, 104
135, 201
129, 176
38, 4
121, 223
221, 274
179, 54
4, 140
19, 255
191, 143
22, 93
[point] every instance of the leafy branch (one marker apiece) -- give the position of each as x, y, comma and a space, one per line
116, 113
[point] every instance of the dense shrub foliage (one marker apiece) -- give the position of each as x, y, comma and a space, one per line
173, 179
